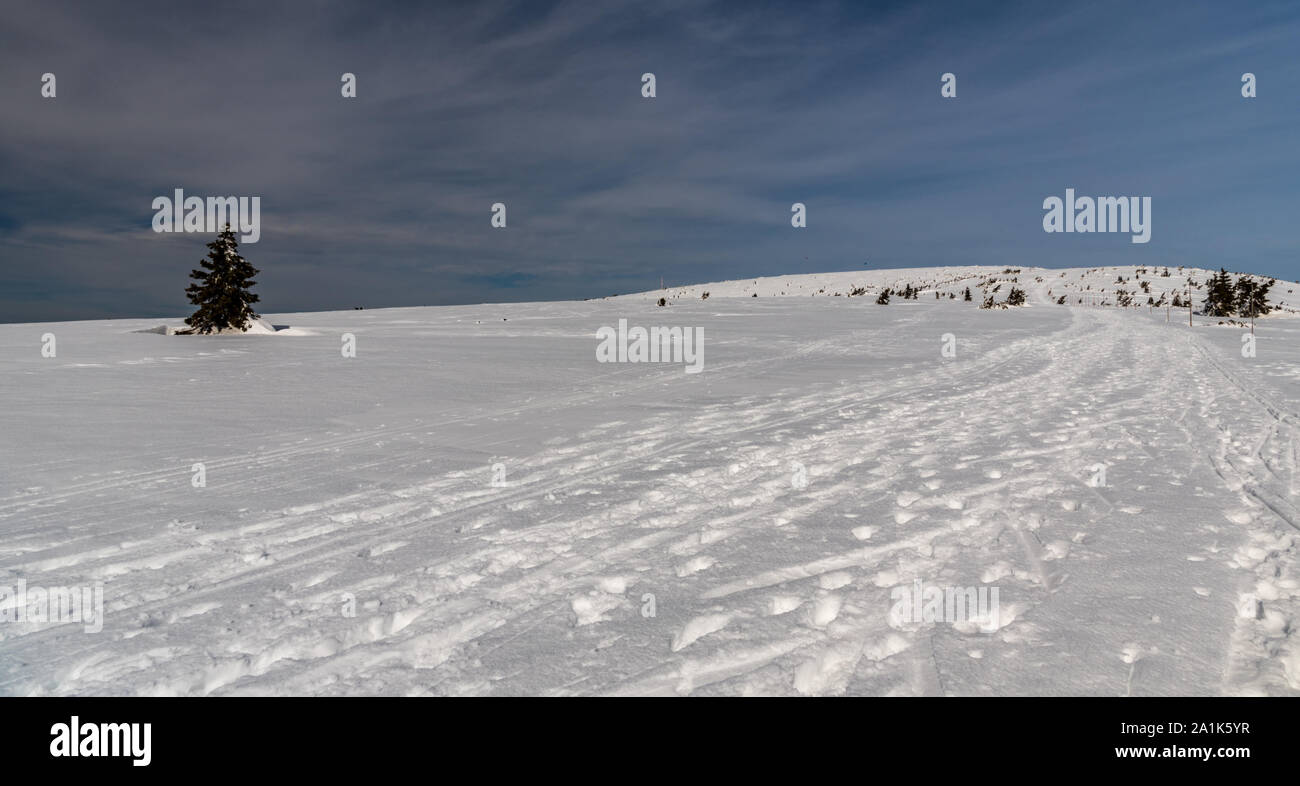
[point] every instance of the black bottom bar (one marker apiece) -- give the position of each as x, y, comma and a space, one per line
435, 739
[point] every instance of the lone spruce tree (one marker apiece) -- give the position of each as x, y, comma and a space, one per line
222, 289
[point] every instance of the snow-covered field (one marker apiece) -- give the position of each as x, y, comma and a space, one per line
1127, 484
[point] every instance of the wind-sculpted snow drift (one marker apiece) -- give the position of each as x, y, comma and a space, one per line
474, 504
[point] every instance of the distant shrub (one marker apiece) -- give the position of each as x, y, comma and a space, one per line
1251, 296
1220, 295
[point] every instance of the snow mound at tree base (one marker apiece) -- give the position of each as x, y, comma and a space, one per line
255, 327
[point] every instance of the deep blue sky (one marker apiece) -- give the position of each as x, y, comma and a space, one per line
384, 200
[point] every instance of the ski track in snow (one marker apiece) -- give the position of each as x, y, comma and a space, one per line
368, 478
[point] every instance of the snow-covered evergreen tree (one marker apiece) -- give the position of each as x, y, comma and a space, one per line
1219, 295
222, 292
1251, 297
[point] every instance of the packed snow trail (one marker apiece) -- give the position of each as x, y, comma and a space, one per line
738, 531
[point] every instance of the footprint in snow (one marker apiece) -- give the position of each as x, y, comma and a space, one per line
694, 565
995, 572
590, 608
825, 610
782, 604
906, 499
698, 628
615, 585
1057, 549
833, 581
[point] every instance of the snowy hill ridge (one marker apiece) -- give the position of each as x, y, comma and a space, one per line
1081, 286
